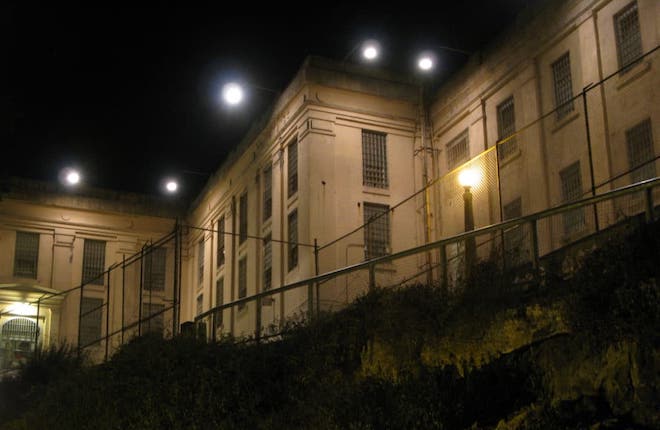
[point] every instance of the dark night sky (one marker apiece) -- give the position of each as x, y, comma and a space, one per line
131, 94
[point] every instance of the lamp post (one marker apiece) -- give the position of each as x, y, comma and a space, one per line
468, 179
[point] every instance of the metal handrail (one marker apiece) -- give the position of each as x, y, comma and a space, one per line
609, 195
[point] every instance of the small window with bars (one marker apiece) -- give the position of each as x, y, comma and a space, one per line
199, 305
268, 262
154, 269
628, 36
242, 278
152, 318
374, 159
243, 218
641, 156
200, 262
91, 318
221, 242
563, 86
93, 262
458, 150
506, 128
293, 240
376, 230
571, 190
26, 255
219, 300
268, 192
292, 169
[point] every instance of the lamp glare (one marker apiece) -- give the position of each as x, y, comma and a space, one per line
171, 186
469, 178
232, 94
370, 52
425, 63
72, 178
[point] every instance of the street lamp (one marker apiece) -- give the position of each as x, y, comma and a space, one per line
70, 177
468, 179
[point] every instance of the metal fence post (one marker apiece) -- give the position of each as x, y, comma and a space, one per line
372, 277
316, 272
535, 245
257, 331
107, 316
80, 305
445, 269
649, 205
591, 160
36, 332
123, 294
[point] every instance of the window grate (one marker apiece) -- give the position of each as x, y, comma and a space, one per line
571, 190
377, 230
628, 36
506, 127
20, 329
242, 218
458, 150
563, 86
268, 192
374, 159
154, 270
26, 256
268, 262
639, 140
293, 239
292, 169
199, 306
91, 317
200, 262
93, 262
153, 320
221, 241
242, 277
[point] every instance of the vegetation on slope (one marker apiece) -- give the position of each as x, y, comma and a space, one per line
559, 353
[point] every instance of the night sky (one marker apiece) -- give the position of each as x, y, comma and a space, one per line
130, 95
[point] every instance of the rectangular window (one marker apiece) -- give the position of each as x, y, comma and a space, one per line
154, 269
376, 230
26, 255
91, 317
563, 86
93, 262
628, 36
293, 239
571, 190
374, 159
221, 241
268, 262
219, 300
243, 218
514, 236
292, 184
200, 262
199, 306
242, 278
639, 140
268, 192
458, 151
506, 127
152, 317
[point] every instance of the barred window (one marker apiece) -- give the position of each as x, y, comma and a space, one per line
221, 241
458, 150
93, 262
506, 127
268, 262
563, 86
91, 317
293, 239
20, 329
513, 237
374, 159
152, 317
243, 218
639, 140
154, 269
26, 255
219, 300
268, 192
571, 190
200, 262
292, 184
376, 230
628, 36
199, 306
242, 277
